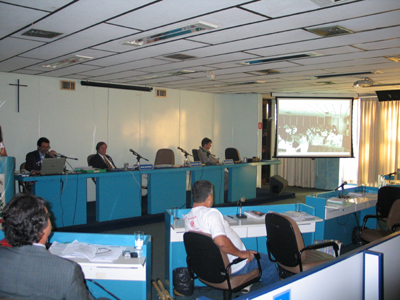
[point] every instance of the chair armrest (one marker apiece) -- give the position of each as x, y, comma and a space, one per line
395, 227
238, 260
322, 245
369, 217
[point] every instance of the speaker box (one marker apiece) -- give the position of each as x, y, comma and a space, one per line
277, 184
388, 95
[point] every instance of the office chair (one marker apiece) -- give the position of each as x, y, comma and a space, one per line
196, 155
392, 223
164, 157
285, 243
387, 195
233, 153
212, 267
89, 158
23, 187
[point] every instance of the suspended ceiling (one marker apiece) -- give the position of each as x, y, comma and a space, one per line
246, 31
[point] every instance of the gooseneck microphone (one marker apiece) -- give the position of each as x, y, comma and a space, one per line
138, 156
341, 186
63, 156
184, 151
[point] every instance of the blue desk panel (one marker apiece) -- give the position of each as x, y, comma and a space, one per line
341, 227
216, 175
166, 189
175, 253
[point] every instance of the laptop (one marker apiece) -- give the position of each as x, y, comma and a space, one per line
52, 166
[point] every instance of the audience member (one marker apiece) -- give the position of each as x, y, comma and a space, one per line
3, 151
209, 220
27, 269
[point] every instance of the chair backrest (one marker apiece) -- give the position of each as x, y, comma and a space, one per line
284, 239
164, 157
196, 155
387, 195
394, 215
232, 153
205, 258
89, 158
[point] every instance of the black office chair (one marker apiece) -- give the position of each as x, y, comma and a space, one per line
196, 155
233, 153
387, 195
392, 223
285, 246
212, 267
89, 158
23, 187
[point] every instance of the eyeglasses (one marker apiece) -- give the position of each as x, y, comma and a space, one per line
45, 147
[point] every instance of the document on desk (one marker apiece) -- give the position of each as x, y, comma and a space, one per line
92, 252
299, 216
335, 202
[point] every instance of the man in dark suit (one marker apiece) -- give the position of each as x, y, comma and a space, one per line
33, 161
27, 269
101, 160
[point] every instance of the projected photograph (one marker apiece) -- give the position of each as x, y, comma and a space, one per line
314, 127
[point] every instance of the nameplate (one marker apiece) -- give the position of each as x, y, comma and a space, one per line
195, 163
146, 167
228, 162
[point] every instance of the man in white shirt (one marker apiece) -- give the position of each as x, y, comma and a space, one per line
209, 220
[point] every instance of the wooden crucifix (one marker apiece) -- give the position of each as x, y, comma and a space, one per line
18, 85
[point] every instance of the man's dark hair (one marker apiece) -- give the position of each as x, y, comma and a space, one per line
99, 144
201, 190
24, 218
42, 140
1, 135
205, 141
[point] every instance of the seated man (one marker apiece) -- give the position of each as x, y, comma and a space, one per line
101, 160
210, 220
27, 269
33, 161
205, 152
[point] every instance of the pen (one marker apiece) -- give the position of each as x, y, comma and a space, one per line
229, 216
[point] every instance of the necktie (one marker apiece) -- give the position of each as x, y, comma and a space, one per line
108, 163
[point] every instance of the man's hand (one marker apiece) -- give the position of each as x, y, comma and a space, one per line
249, 254
52, 153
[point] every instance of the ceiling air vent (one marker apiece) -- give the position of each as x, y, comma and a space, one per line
41, 33
329, 31
161, 93
268, 71
180, 56
326, 82
323, 3
67, 85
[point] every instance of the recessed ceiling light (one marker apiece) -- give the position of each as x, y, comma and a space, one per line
323, 3
393, 58
164, 35
278, 58
67, 61
41, 33
330, 31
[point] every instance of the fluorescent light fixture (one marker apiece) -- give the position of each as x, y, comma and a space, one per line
279, 58
68, 61
165, 35
182, 72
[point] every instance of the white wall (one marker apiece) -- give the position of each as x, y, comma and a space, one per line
75, 121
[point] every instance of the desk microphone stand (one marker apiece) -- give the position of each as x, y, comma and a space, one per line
66, 160
138, 157
240, 215
186, 161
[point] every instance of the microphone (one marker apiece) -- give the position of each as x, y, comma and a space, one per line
390, 174
207, 152
184, 151
63, 156
341, 186
135, 153
240, 202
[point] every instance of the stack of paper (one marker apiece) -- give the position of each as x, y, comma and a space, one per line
253, 214
95, 253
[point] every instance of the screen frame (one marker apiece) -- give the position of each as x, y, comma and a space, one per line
313, 155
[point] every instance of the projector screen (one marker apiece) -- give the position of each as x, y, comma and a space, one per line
314, 127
